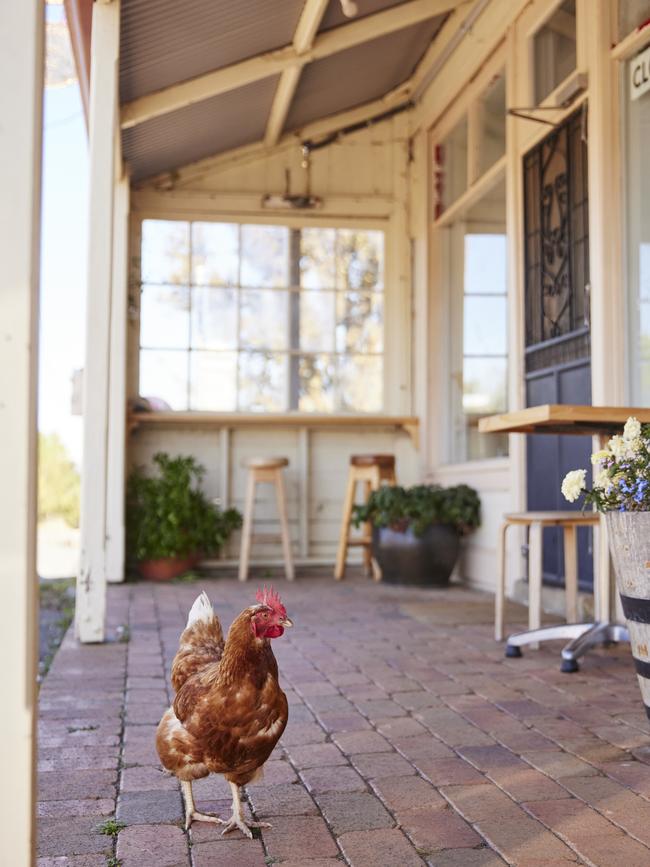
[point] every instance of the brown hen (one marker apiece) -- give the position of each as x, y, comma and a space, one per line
229, 711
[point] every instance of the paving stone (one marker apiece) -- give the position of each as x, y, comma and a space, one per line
406, 793
305, 733
147, 779
144, 808
159, 845
482, 857
560, 764
79, 807
71, 785
78, 835
316, 755
448, 772
371, 765
423, 747
361, 742
361, 848
353, 811
230, 853
437, 827
336, 779
73, 861
284, 800
299, 837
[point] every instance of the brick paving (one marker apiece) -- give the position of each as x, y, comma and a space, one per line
411, 741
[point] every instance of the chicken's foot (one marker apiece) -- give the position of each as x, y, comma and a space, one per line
237, 818
191, 813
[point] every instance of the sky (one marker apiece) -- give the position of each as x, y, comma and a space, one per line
63, 258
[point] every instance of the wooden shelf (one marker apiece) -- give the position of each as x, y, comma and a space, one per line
408, 423
564, 419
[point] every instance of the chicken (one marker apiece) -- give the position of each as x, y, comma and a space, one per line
229, 711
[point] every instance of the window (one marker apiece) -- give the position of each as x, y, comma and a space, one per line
261, 317
555, 50
451, 166
492, 107
631, 15
478, 287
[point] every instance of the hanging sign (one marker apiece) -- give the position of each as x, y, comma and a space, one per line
640, 74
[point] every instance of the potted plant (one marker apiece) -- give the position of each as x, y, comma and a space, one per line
171, 524
416, 531
621, 490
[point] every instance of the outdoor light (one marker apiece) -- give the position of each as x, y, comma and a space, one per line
287, 202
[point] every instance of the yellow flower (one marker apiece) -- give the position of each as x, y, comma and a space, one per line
600, 456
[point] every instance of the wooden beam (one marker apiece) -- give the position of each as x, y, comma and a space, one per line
284, 94
308, 24
91, 583
21, 68
237, 75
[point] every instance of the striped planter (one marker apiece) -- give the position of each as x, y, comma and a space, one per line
629, 543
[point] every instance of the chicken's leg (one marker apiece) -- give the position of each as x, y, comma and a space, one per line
237, 818
191, 812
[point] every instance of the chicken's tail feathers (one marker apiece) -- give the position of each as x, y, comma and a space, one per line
201, 610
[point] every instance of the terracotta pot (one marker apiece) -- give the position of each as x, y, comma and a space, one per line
167, 568
628, 534
405, 558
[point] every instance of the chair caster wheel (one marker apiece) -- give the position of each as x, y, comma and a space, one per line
568, 666
512, 651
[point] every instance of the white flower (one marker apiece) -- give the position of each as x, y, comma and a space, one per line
618, 447
599, 457
632, 429
602, 479
573, 484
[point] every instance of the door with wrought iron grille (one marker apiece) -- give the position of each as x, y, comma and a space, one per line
558, 345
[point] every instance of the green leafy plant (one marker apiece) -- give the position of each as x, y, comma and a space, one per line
420, 506
169, 516
111, 827
58, 481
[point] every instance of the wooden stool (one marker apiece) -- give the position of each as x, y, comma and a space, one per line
372, 470
265, 470
536, 521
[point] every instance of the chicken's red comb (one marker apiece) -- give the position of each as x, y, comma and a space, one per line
271, 598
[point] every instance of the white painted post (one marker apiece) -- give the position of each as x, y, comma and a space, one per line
21, 71
91, 584
116, 458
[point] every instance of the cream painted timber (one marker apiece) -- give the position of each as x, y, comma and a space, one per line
21, 65
315, 478
245, 72
116, 454
91, 582
303, 39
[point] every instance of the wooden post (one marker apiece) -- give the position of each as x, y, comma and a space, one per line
91, 584
21, 70
116, 456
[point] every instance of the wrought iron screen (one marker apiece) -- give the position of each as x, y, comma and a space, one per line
556, 225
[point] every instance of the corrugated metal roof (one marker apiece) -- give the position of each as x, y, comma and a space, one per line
199, 130
360, 74
163, 42
334, 16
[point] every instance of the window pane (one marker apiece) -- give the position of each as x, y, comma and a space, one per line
262, 381
165, 317
317, 383
359, 322
317, 321
165, 251
484, 385
215, 254
360, 259
485, 264
214, 318
484, 331
632, 14
451, 159
164, 375
555, 50
265, 256
493, 140
360, 383
317, 258
264, 319
213, 381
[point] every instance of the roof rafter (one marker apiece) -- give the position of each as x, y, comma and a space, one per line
303, 40
245, 72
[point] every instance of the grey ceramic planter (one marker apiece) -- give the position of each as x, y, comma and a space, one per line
629, 543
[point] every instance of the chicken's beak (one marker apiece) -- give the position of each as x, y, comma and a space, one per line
286, 623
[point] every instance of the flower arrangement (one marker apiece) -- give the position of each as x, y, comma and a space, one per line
621, 473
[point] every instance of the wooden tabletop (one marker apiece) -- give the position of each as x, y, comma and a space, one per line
564, 418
